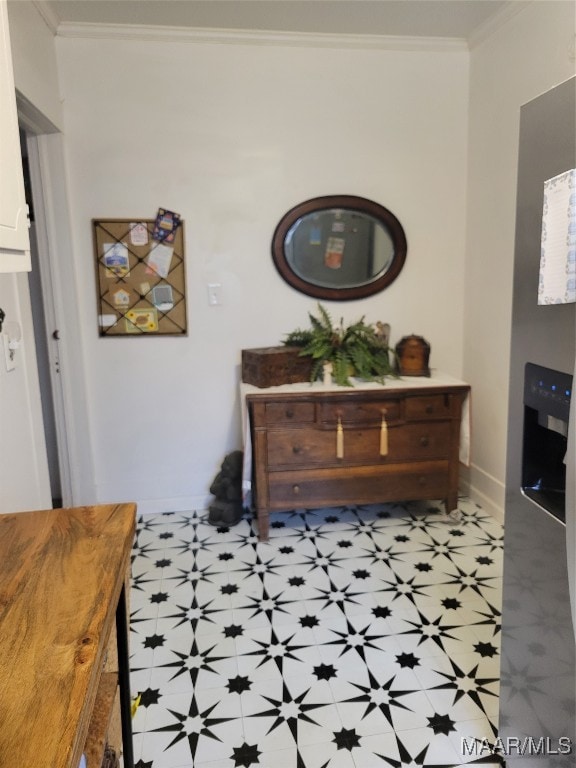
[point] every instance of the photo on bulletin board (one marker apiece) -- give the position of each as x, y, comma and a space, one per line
140, 278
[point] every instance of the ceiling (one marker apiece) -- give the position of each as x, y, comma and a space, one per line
413, 18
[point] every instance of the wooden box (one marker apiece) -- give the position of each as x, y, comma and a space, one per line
273, 366
413, 354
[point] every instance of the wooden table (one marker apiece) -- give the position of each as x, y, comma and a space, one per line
64, 635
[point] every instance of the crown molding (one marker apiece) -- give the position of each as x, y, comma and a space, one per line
253, 37
509, 11
45, 11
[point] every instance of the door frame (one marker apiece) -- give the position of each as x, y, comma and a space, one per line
52, 322
59, 287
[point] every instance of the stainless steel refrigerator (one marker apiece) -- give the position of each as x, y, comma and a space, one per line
537, 724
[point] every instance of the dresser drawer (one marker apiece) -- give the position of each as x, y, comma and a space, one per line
359, 411
428, 407
358, 485
289, 412
416, 442
310, 446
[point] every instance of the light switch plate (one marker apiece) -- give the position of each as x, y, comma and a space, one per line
214, 294
10, 361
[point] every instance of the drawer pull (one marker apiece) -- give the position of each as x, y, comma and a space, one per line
429, 408
296, 449
422, 480
384, 435
339, 440
289, 413
424, 441
295, 490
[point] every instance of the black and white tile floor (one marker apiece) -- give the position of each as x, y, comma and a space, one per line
355, 638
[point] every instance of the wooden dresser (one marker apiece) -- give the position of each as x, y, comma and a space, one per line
64, 677
309, 445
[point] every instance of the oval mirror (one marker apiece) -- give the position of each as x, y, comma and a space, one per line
339, 247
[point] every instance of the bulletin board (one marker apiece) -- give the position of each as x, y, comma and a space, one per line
140, 278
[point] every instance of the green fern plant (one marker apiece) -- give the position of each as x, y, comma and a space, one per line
354, 350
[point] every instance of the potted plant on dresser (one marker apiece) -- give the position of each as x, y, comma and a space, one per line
358, 349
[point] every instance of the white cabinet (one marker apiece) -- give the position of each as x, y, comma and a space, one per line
14, 236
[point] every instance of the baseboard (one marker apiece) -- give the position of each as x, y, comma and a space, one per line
485, 490
180, 504
477, 492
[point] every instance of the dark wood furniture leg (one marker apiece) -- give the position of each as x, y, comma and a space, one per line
263, 516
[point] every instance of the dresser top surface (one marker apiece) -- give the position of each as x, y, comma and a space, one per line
401, 385
61, 573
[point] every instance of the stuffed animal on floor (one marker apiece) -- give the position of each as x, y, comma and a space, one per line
227, 508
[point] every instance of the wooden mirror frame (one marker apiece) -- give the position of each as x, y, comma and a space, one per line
348, 203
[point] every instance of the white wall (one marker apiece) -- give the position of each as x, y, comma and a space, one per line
231, 136
528, 55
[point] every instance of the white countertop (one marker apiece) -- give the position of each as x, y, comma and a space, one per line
436, 379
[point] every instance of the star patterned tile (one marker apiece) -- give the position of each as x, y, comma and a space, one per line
357, 637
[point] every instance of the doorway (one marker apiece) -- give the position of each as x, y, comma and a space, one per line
42, 303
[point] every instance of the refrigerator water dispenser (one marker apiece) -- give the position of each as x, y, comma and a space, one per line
546, 410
